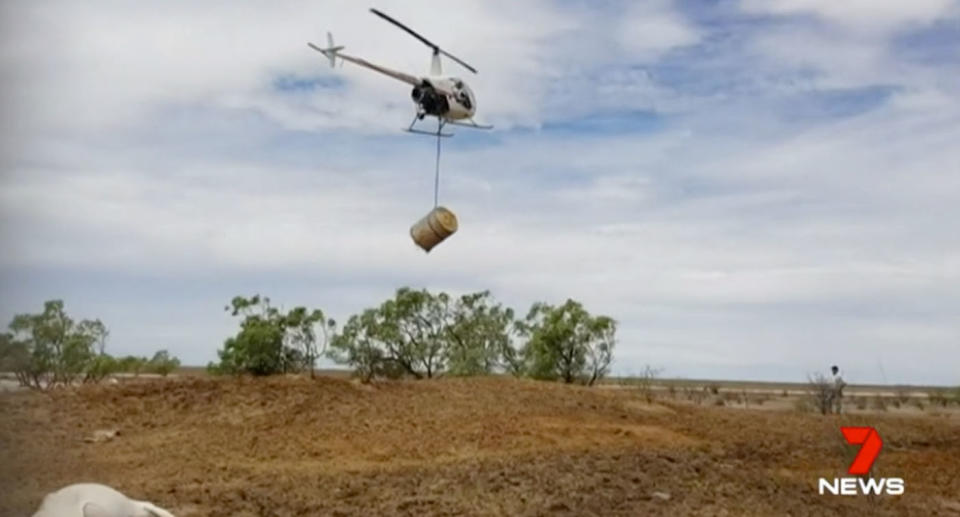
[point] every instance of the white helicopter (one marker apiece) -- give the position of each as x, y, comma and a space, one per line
447, 98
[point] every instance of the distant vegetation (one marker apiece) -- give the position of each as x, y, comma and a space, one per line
50, 349
420, 334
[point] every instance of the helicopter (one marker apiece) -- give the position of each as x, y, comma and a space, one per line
447, 98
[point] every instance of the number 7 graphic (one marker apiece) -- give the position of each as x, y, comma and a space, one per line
870, 442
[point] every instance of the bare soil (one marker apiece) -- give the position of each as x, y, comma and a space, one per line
330, 446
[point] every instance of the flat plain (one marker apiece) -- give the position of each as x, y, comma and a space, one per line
483, 446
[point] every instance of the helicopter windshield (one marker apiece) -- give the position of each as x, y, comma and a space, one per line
463, 94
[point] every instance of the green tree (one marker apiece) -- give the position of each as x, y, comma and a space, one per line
15, 357
602, 331
163, 363
421, 334
132, 364
360, 345
307, 335
567, 343
59, 349
100, 367
478, 335
415, 322
404, 334
271, 342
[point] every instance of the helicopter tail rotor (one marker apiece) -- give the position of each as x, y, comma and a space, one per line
330, 52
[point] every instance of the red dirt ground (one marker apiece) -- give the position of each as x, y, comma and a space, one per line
285, 447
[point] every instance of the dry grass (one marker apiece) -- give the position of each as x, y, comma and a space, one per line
289, 447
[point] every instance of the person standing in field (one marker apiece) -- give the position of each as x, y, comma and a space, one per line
836, 394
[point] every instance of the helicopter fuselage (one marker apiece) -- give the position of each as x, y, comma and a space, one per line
444, 97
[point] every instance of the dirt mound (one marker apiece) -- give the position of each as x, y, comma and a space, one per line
490, 446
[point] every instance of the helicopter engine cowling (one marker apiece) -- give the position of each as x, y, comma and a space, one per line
430, 101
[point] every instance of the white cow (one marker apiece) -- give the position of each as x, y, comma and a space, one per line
95, 500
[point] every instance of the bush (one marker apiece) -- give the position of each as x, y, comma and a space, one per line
805, 405
820, 393
101, 367
879, 403
903, 396
938, 398
645, 383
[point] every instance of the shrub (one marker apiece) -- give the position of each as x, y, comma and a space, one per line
645, 382
101, 367
879, 403
938, 398
903, 396
820, 392
805, 405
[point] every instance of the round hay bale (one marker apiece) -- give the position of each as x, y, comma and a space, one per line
433, 228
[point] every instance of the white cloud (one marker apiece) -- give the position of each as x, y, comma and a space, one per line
858, 14
648, 29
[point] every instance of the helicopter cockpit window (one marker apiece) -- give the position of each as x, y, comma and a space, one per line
463, 94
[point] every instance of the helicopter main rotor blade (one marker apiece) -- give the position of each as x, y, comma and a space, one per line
458, 60
425, 41
408, 29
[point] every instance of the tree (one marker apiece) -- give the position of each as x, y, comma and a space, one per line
59, 349
163, 363
478, 335
424, 335
414, 331
15, 357
359, 345
402, 334
567, 343
271, 342
132, 364
307, 334
101, 367
602, 331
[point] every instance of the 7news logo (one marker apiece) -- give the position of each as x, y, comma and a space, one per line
870, 446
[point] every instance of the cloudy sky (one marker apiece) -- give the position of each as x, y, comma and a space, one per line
754, 188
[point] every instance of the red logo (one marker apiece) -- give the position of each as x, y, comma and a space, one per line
870, 442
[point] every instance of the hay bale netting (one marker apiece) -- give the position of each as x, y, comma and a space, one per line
436, 226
